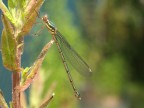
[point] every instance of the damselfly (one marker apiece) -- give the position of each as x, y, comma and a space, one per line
67, 54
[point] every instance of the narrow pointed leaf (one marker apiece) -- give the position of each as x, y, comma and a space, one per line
31, 15
3, 103
47, 101
6, 12
34, 69
28, 24
33, 6
49, 96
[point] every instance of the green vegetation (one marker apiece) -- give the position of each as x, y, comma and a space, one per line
108, 35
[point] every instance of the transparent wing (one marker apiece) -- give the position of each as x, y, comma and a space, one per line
72, 56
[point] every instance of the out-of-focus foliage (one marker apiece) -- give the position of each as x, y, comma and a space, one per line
115, 29
109, 34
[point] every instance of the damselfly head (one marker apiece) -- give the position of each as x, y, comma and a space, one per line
45, 18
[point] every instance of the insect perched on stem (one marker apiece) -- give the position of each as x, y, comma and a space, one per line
67, 54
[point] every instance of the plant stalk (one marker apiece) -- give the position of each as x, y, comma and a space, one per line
15, 92
16, 99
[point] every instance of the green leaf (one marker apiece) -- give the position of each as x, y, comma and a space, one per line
6, 12
18, 4
24, 74
11, 104
11, 4
9, 46
3, 103
22, 3
3, 7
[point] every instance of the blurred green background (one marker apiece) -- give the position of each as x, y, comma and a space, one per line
109, 35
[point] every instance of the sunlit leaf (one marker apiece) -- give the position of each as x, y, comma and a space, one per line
8, 46
16, 3
24, 74
6, 12
3, 103
11, 4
